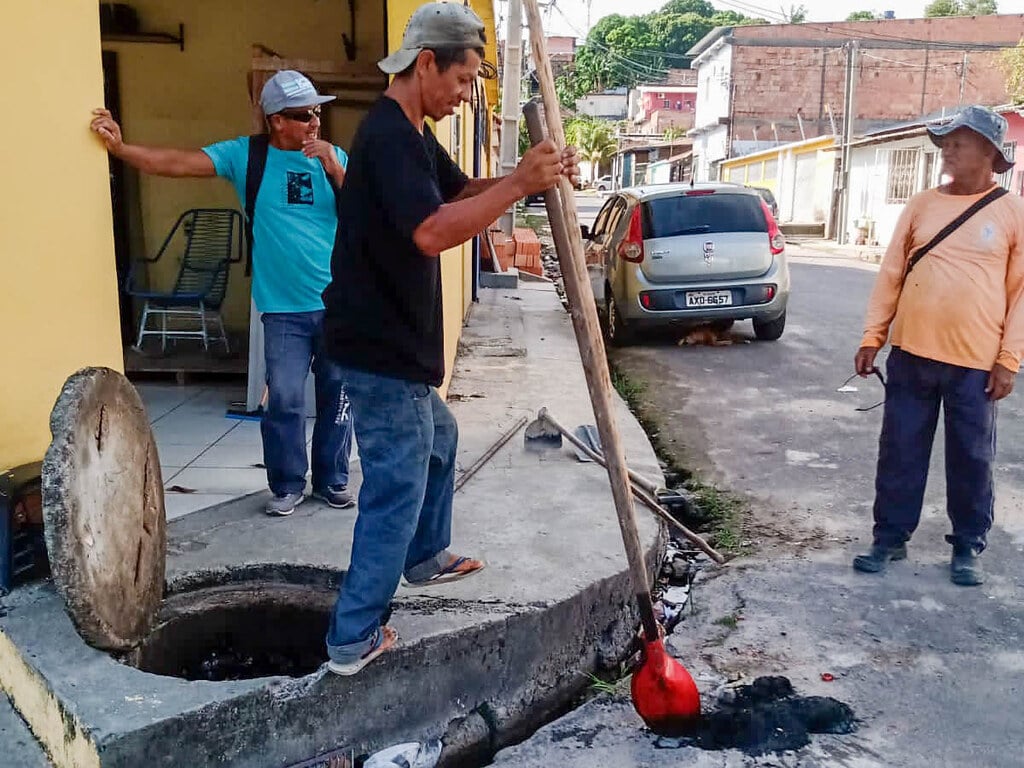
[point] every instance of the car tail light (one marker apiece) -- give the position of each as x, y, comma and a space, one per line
698, 192
646, 301
632, 247
776, 240
769, 292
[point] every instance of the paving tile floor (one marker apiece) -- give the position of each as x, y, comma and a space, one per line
209, 456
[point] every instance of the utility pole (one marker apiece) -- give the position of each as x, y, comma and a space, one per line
510, 87
924, 81
963, 78
849, 110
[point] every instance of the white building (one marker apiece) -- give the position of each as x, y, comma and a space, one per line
710, 131
610, 104
886, 170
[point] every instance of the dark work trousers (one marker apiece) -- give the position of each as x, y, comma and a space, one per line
915, 388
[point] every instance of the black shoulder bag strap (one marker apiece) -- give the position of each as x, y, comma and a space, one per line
257, 163
952, 227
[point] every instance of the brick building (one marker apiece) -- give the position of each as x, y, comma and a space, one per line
786, 82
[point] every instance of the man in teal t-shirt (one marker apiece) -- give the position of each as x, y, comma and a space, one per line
294, 224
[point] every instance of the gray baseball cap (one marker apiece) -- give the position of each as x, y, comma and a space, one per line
289, 89
982, 121
436, 25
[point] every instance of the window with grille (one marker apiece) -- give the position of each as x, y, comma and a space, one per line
1006, 179
771, 169
736, 174
902, 181
754, 174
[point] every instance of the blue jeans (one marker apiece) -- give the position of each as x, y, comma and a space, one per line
291, 341
915, 389
407, 442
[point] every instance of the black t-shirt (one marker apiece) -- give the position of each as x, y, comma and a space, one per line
383, 305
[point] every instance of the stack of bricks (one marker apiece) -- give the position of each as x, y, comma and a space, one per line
504, 249
527, 250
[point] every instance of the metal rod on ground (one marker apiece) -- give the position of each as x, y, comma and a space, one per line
565, 229
472, 470
642, 493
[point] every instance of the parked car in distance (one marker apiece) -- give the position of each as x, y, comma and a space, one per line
769, 198
681, 254
603, 184
538, 198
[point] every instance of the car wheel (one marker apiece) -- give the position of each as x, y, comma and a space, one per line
618, 332
770, 330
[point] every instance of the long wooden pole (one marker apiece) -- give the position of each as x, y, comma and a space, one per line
565, 229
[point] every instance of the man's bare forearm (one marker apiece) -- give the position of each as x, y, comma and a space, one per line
475, 187
457, 221
161, 161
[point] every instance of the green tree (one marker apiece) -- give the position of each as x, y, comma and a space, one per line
672, 133
960, 8
1011, 61
978, 8
862, 16
698, 7
595, 140
627, 50
797, 14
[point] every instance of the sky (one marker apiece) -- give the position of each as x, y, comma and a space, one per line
569, 17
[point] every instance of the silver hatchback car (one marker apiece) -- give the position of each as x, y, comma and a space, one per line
688, 255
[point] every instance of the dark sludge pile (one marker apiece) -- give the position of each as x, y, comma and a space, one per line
766, 716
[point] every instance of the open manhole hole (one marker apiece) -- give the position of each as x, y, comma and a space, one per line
106, 537
238, 633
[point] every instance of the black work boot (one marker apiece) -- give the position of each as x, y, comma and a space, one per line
879, 556
964, 568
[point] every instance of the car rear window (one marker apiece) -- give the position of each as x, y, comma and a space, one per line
703, 214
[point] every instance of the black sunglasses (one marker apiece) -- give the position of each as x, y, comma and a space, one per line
847, 388
301, 115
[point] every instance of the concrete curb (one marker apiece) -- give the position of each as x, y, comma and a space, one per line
482, 662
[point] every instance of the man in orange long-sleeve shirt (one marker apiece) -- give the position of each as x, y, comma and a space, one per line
956, 325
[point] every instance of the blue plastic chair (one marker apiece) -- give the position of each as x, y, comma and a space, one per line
212, 241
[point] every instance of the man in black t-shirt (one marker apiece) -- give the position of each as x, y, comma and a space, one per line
403, 203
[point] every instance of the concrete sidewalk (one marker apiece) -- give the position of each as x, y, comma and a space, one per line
868, 253
480, 661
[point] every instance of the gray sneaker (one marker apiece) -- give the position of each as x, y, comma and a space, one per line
336, 496
284, 504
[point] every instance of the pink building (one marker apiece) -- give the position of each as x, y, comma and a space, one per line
659, 107
1013, 179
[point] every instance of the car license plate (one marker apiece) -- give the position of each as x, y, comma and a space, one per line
709, 299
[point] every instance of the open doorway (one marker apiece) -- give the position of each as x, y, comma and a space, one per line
118, 201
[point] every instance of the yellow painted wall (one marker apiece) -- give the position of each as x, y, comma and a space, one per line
59, 307
199, 96
456, 263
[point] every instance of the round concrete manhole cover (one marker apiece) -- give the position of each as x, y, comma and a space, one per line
103, 506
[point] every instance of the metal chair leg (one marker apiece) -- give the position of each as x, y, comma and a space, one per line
223, 333
202, 320
142, 326
163, 332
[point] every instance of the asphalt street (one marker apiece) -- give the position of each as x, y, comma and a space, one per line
934, 672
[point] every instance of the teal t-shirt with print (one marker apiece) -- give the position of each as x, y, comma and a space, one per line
295, 222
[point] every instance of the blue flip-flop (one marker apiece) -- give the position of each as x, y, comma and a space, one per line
449, 573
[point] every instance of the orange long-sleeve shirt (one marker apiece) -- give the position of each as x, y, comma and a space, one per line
962, 304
